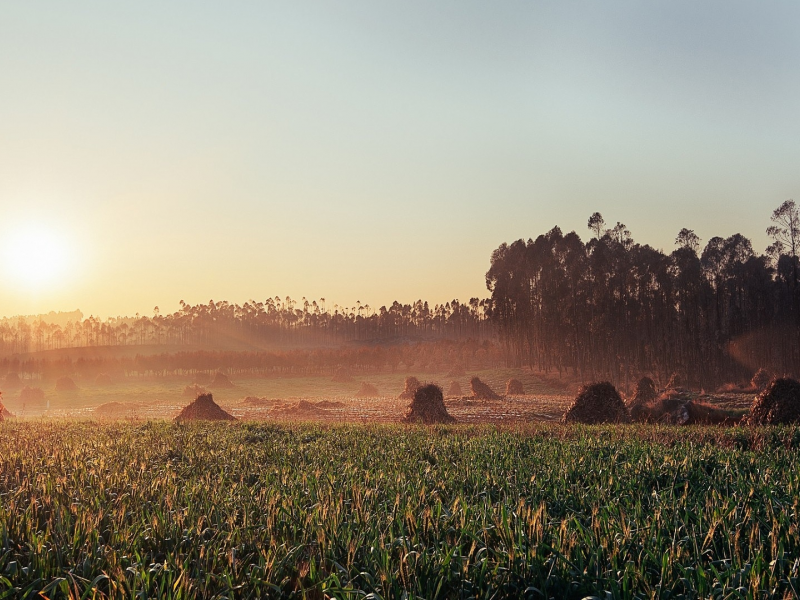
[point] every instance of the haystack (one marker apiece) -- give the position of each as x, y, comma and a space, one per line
777, 405
428, 407
761, 380
103, 379
597, 403
481, 391
194, 390
514, 388
31, 394
644, 392
65, 384
367, 390
4, 412
12, 381
342, 375
454, 389
675, 382
204, 409
221, 381
412, 385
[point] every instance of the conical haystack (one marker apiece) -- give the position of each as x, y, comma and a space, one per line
412, 385
31, 394
65, 384
103, 379
367, 390
761, 380
644, 392
428, 407
221, 381
204, 409
4, 412
597, 403
675, 382
514, 388
454, 389
481, 391
777, 405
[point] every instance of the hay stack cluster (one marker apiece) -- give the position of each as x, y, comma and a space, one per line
65, 384
204, 409
597, 403
428, 407
779, 404
367, 390
481, 391
514, 388
412, 385
221, 381
454, 389
761, 380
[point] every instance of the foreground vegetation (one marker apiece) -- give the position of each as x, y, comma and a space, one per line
247, 510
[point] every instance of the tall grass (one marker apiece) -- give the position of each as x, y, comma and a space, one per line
258, 510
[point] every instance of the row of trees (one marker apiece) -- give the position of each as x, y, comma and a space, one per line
256, 325
613, 308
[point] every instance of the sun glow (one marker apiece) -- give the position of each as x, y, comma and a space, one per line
36, 257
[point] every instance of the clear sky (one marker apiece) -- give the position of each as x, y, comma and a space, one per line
373, 151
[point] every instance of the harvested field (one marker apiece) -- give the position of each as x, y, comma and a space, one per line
367, 390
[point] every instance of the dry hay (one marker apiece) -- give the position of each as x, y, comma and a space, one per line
115, 410
221, 381
65, 384
761, 380
597, 403
427, 407
514, 388
412, 385
481, 391
682, 408
456, 371
455, 389
367, 390
643, 393
306, 410
777, 405
194, 390
103, 379
204, 409
12, 380
4, 412
342, 375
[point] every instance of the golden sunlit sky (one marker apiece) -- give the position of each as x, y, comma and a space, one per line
154, 152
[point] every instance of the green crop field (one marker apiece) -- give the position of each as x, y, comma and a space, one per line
135, 510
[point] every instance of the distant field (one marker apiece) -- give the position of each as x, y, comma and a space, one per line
264, 510
162, 398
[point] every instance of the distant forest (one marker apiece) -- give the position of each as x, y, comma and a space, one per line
612, 308
609, 308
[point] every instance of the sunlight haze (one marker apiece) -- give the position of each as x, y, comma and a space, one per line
153, 153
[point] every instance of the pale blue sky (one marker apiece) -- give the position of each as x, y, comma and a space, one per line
368, 151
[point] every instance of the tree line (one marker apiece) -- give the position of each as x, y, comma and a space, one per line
254, 325
612, 308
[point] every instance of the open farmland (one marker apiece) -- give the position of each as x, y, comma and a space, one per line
254, 509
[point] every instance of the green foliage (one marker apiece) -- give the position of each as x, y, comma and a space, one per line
258, 510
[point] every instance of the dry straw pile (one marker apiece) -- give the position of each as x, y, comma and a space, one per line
428, 407
597, 403
514, 388
65, 384
481, 391
454, 389
221, 381
761, 380
779, 404
411, 387
204, 409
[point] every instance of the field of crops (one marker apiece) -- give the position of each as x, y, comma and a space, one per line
256, 510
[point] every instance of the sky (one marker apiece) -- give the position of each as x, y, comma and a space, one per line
155, 152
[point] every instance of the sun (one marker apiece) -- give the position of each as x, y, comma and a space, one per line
36, 256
